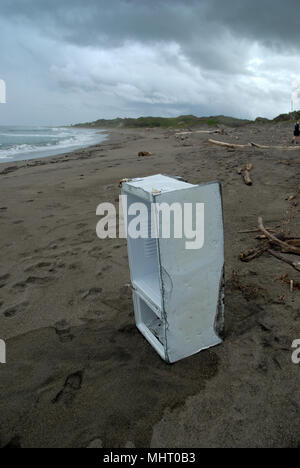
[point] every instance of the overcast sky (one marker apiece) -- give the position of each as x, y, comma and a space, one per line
67, 61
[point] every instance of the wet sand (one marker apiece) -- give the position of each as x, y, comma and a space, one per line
78, 372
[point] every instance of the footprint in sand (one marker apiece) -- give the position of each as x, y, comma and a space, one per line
93, 315
95, 252
3, 280
74, 266
72, 385
91, 293
12, 311
38, 266
104, 269
32, 280
63, 331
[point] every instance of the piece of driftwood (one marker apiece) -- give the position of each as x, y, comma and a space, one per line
210, 132
250, 231
228, 145
286, 247
285, 259
251, 254
288, 148
294, 242
247, 178
253, 145
288, 162
246, 173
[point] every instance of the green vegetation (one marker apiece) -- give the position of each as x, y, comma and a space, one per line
184, 121
288, 117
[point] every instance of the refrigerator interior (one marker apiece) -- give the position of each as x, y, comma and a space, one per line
143, 254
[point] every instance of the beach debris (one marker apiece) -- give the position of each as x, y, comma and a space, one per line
247, 178
288, 162
285, 279
144, 153
251, 254
228, 145
252, 145
275, 240
285, 259
291, 197
245, 173
210, 132
250, 231
290, 148
276, 245
123, 180
248, 291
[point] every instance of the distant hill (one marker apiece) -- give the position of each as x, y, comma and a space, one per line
288, 117
184, 121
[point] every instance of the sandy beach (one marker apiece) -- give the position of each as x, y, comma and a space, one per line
78, 372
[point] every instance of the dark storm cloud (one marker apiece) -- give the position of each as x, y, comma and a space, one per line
112, 22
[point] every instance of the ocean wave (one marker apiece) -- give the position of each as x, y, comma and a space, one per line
31, 135
62, 139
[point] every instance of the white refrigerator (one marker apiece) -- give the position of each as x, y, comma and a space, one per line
175, 241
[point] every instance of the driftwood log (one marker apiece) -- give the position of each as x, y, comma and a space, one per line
245, 173
289, 162
209, 132
228, 145
250, 231
274, 240
252, 145
285, 259
247, 178
251, 254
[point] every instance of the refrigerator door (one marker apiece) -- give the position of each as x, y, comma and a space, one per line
192, 271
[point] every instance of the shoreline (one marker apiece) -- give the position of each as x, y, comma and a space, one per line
75, 359
54, 157
52, 151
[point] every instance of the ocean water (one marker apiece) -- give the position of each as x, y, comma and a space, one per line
21, 143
